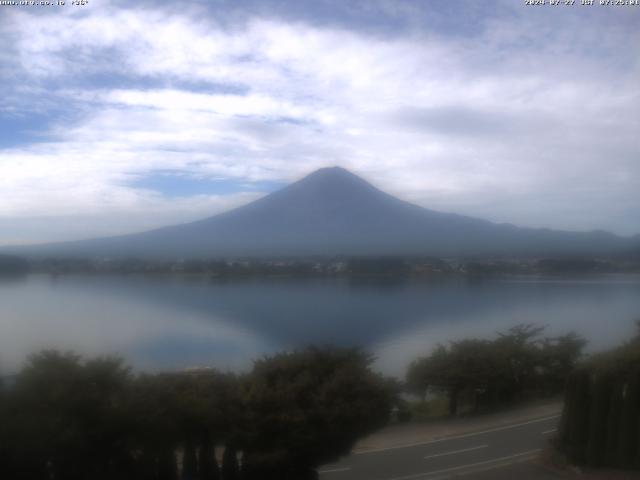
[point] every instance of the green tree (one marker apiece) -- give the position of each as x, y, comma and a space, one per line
558, 358
440, 370
69, 419
468, 367
603, 399
517, 364
520, 351
155, 425
309, 407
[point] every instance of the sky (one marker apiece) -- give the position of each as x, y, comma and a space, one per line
118, 117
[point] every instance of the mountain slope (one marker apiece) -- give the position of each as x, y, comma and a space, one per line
333, 212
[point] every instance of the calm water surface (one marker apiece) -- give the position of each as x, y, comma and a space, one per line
167, 323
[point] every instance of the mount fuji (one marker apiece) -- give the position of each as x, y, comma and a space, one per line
334, 212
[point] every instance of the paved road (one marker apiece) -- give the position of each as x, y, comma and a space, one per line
498, 452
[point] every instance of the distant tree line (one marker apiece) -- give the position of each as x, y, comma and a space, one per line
358, 266
213, 268
67, 418
10, 265
396, 266
601, 420
519, 364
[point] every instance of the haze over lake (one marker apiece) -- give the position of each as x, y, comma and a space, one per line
174, 322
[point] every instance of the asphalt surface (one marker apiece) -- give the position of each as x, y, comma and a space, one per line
500, 452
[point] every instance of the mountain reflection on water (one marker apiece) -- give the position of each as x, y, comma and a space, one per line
167, 323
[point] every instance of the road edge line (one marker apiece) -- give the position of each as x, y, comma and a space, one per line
456, 437
490, 465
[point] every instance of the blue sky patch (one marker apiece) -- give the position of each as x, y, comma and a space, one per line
19, 130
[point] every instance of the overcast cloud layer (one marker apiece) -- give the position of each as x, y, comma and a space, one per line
118, 117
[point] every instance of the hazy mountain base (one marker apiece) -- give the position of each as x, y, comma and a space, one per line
333, 212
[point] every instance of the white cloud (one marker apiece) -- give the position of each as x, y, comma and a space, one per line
504, 125
228, 104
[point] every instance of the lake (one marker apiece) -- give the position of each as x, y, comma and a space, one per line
158, 323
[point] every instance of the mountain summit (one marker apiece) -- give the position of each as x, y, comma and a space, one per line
334, 212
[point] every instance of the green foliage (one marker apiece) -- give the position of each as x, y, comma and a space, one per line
601, 393
69, 417
614, 418
630, 417
558, 357
488, 373
576, 428
608, 408
309, 407
621, 361
75, 419
436, 406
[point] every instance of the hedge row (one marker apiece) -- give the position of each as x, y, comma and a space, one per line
601, 420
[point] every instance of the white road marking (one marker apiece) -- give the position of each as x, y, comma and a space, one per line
457, 437
547, 432
335, 470
523, 456
487, 468
455, 451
